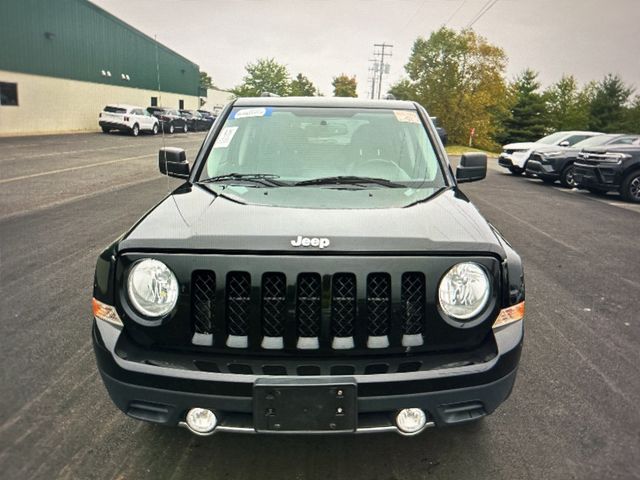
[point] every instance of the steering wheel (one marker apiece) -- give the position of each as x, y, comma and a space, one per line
379, 167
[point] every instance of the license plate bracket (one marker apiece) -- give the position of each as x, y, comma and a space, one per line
301, 405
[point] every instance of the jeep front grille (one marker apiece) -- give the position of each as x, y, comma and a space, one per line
333, 312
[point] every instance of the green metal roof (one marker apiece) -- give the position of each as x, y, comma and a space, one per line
75, 39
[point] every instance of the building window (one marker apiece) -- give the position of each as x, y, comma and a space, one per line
8, 94
154, 101
181, 104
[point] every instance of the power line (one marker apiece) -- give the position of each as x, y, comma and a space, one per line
455, 12
487, 6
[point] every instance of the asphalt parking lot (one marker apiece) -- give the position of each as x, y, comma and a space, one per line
573, 414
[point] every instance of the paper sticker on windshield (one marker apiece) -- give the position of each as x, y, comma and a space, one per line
225, 137
406, 116
252, 112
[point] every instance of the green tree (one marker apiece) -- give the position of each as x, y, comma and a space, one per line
459, 78
344, 86
608, 109
403, 90
632, 117
301, 86
567, 105
265, 75
206, 81
528, 120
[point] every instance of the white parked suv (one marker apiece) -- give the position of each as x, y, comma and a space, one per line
514, 156
127, 118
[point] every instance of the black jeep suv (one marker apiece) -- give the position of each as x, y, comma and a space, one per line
553, 163
319, 270
605, 169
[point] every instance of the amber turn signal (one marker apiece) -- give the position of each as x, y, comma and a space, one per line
509, 315
102, 311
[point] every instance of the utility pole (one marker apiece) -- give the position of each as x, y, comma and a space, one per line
373, 70
382, 67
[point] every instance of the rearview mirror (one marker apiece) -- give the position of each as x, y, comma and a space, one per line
472, 167
172, 161
564, 143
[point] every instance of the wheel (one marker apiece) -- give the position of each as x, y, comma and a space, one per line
630, 189
567, 178
105, 130
154, 130
185, 129
171, 128
135, 131
516, 170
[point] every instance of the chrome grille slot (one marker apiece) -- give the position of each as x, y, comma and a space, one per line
203, 301
238, 297
274, 291
413, 303
308, 309
378, 304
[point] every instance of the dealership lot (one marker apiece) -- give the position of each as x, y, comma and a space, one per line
573, 413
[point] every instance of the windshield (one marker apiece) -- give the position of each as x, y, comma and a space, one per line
595, 141
552, 139
300, 144
115, 109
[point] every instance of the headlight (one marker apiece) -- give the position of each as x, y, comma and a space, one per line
152, 287
464, 291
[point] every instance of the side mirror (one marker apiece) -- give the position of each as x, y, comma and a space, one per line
564, 143
172, 161
473, 167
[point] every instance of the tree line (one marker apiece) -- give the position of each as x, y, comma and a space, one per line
459, 77
267, 75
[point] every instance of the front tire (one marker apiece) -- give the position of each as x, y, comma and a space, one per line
105, 130
516, 170
171, 128
630, 189
154, 130
135, 130
567, 178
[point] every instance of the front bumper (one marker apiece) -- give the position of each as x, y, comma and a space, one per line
452, 395
504, 160
542, 170
515, 159
603, 177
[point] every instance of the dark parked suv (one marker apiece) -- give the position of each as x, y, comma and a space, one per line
170, 120
605, 169
319, 270
551, 163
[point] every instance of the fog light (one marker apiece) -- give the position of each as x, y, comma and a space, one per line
201, 420
411, 420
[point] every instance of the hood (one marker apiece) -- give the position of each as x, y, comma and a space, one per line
520, 146
195, 218
546, 149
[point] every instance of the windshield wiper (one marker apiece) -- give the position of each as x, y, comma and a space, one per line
350, 180
266, 179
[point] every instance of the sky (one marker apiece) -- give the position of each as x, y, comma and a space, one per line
324, 38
